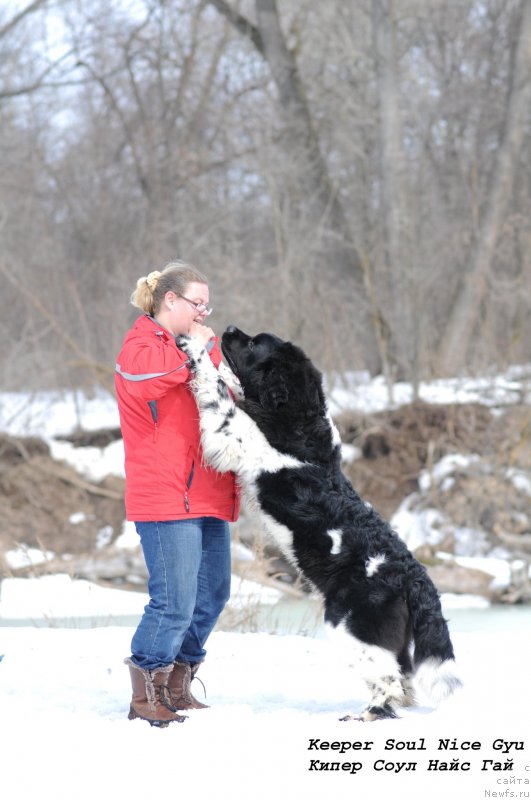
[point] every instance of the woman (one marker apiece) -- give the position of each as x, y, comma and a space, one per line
180, 506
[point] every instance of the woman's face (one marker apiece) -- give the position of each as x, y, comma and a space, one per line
191, 306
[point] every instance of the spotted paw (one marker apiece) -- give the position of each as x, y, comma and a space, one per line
192, 348
183, 342
371, 714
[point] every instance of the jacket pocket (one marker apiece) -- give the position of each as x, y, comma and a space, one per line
155, 417
189, 477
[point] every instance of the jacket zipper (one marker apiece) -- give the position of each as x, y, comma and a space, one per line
188, 485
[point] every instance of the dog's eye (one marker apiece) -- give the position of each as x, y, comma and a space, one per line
250, 344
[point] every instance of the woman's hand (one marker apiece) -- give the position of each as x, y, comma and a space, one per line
201, 332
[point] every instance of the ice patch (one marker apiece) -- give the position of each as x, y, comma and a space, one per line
520, 480
417, 526
27, 557
444, 469
129, 538
350, 453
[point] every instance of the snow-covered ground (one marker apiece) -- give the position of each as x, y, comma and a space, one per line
51, 414
358, 391
273, 728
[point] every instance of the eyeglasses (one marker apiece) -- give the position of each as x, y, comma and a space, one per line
201, 308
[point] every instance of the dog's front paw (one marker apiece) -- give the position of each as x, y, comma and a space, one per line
191, 347
183, 342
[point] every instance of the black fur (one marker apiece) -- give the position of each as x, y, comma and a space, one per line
390, 603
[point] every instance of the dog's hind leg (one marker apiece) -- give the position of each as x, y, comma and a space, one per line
386, 685
406, 668
380, 670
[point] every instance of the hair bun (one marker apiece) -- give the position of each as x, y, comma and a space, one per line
152, 280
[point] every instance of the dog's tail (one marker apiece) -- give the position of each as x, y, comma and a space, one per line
433, 658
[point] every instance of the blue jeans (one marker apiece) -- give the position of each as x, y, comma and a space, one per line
189, 570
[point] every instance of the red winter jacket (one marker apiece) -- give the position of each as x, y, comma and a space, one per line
165, 474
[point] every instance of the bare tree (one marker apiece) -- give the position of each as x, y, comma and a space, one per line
337, 187
398, 252
316, 193
469, 302
7, 27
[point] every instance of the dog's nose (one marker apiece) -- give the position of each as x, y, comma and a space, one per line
231, 329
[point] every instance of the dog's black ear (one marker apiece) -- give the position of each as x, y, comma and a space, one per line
273, 390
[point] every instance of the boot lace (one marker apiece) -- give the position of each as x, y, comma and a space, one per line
165, 698
195, 678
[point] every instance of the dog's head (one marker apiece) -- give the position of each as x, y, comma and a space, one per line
274, 373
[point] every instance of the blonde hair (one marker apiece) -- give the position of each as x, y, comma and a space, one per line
175, 277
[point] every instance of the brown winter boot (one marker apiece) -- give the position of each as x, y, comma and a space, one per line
151, 696
179, 686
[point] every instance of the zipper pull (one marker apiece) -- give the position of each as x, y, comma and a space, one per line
186, 503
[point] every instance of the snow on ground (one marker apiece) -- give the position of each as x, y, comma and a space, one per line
425, 525
275, 707
48, 413
52, 599
273, 728
358, 391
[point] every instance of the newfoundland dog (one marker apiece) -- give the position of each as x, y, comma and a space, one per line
281, 442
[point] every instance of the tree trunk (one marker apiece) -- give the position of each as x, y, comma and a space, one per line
471, 294
323, 210
398, 255
301, 137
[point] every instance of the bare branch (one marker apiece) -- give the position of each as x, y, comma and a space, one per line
142, 178
40, 82
241, 23
20, 16
467, 306
102, 371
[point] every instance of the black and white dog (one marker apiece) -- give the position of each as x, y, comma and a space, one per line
281, 442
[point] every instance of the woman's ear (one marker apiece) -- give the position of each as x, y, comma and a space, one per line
169, 298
